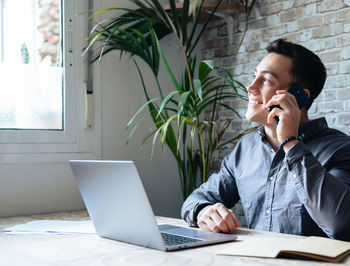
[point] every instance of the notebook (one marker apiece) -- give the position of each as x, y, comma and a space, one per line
119, 208
311, 247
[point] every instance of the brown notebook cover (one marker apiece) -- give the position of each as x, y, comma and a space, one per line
312, 247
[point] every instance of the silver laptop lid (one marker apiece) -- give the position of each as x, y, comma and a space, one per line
112, 192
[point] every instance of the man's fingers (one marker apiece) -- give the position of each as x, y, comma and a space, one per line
283, 99
238, 224
203, 225
275, 112
207, 224
218, 219
212, 220
229, 217
220, 222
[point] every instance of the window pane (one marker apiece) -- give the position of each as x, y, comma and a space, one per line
31, 65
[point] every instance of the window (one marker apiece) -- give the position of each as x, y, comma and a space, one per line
43, 73
41, 125
31, 65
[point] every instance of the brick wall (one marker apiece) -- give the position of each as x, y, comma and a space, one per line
321, 26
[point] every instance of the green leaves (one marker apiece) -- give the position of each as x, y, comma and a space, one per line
198, 88
166, 65
24, 54
166, 100
177, 111
205, 67
182, 104
128, 33
178, 116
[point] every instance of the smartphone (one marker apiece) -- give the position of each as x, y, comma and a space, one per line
299, 94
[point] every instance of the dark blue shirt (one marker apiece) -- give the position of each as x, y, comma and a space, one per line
305, 191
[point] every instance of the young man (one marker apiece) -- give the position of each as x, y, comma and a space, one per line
292, 177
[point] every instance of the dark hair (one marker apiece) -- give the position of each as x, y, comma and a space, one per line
307, 68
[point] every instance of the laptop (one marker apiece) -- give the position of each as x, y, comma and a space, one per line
120, 210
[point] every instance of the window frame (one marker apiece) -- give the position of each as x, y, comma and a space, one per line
36, 145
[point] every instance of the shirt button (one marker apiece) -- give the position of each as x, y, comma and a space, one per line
294, 176
271, 178
272, 150
268, 211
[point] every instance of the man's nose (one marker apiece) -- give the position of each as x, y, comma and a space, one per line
253, 87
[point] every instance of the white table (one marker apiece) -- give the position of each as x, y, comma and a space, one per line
88, 250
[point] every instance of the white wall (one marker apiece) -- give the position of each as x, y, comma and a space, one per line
28, 188
122, 95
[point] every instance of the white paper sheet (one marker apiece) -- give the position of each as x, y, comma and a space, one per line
53, 227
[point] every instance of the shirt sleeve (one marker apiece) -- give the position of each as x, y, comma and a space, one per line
220, 188
324, 190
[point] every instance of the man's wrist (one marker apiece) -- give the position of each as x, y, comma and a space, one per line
200, 213
289, 145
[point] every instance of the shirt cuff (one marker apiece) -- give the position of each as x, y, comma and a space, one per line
298, 151
191, 216
293, 159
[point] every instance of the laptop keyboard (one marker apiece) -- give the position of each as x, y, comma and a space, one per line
174, 240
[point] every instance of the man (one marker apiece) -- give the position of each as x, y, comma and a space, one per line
292, 177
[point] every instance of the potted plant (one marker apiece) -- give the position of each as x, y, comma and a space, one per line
178, 117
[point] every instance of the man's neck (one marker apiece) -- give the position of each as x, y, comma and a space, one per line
271, 136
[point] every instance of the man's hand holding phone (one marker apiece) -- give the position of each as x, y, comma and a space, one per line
297, 91
284, 109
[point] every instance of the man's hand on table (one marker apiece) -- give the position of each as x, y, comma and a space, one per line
217, 218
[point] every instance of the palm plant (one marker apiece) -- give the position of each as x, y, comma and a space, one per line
178, 117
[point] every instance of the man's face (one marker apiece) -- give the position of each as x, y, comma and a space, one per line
272, 74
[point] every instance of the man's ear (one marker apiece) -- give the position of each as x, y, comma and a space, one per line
307, 93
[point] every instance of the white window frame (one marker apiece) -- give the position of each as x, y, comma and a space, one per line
74, 141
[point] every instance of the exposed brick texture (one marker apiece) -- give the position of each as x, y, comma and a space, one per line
322, 26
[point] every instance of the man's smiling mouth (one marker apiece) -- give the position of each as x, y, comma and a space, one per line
254, 102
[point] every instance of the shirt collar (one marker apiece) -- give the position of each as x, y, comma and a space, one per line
312, 128
261, 131
307, 130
